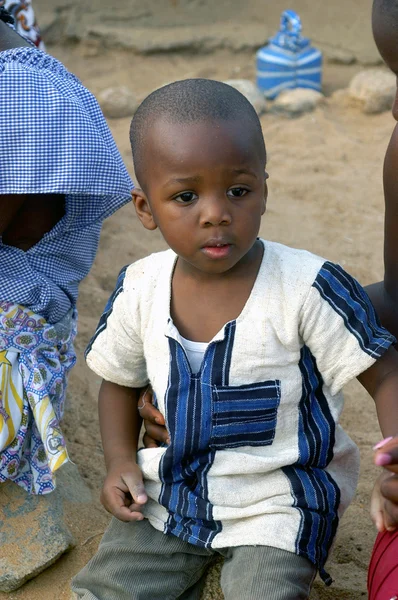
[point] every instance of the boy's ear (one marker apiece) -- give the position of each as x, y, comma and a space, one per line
143, 209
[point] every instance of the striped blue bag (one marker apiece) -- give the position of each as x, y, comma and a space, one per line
288, 61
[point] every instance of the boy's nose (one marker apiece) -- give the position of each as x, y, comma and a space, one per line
215, 211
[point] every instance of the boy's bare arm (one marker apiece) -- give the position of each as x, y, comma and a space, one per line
123, 492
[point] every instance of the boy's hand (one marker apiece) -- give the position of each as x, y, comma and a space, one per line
123, 493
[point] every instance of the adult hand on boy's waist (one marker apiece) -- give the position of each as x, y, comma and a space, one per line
156, 432
123, 493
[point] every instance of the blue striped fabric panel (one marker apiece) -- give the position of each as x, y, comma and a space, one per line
245, 415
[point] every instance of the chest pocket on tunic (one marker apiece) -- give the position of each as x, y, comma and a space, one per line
245, 415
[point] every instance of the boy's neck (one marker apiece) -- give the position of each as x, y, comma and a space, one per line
201, 305
243, 269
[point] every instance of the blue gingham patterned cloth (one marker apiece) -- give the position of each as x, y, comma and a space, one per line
54, 139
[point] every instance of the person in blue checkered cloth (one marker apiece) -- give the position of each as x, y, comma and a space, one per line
61, 175
247, 345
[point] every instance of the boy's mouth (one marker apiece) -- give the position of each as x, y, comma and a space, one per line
217, 248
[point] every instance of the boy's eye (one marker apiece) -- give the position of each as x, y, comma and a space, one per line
237, 192
185, 197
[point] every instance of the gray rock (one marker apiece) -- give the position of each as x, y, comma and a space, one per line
339, 56
373, 90
33, 533
117, 102
293, 103
200, 39
251, 92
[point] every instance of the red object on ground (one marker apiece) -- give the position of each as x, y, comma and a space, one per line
383, 567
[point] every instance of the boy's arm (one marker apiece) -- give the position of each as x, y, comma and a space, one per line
123, 493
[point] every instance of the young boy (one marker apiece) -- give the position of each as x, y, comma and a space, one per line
247, 345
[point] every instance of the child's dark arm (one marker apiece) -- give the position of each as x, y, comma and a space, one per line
386, 305
391, 219
123, 492
381, 382
384, 295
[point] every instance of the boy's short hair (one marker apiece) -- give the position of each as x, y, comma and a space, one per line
192, 101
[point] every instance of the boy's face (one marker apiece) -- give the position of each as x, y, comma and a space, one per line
205, 189
386, 38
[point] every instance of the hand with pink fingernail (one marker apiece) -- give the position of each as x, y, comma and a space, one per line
387, 454
384, 501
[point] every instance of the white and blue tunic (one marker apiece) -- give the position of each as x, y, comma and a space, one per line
257, 456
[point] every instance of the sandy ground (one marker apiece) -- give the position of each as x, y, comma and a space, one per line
325, 196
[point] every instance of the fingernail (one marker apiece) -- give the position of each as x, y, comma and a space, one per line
382, 459
382, 443
141, 499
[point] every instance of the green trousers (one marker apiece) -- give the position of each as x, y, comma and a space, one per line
136, 562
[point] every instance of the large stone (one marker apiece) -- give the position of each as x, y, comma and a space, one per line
251, 92
373, 90
338, 56
200, 39
293, 103
33, 533
117, 102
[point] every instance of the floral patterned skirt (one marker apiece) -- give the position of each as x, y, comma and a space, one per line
35, 360
25, 20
